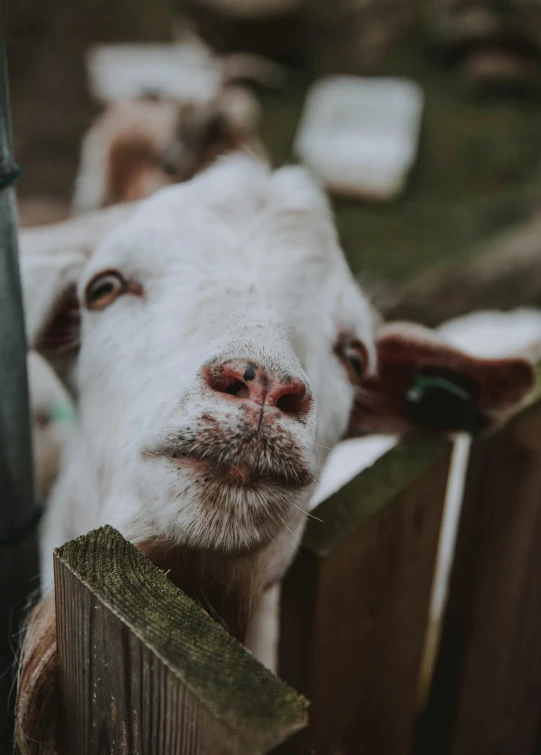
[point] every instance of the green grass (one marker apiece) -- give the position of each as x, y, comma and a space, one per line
478, 171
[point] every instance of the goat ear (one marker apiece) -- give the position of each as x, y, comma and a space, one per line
51, 260
206, 131
422, 383
51, 307
120, 153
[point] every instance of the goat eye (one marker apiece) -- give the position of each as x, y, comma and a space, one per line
354, 355
104, 289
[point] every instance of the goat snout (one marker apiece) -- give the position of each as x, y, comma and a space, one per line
249, 383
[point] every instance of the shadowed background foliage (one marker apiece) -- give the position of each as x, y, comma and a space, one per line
478, 172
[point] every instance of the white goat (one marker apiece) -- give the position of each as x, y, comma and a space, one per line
197, 113
138, 146
218, 347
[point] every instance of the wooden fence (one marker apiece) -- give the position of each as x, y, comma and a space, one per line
145, 672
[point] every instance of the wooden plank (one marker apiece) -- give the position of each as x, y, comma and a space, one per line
144, 671
486, 697
356, 601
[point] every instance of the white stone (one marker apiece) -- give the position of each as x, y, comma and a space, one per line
185, 70
360, 135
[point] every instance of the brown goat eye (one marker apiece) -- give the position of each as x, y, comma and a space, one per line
355, 357
104, 289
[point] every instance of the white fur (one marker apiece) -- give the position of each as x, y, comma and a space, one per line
240, 262
153, 122
51, 410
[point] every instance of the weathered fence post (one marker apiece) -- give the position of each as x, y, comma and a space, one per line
486, 696
18, 551
356, 601
144, 671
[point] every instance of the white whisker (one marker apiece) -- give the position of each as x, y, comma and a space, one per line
307, 513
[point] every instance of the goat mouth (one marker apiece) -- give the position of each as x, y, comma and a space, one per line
245, 468
243, 474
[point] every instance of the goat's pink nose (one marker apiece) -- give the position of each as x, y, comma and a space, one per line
244, 380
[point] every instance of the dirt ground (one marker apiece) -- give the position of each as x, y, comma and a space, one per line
478, 173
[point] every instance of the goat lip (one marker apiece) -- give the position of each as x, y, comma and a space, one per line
243, 474
238, 472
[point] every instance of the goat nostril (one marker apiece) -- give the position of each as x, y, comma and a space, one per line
231, 385
246, 381
238, 389
292, 403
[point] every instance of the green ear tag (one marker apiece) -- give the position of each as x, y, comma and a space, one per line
438, 403
63, 413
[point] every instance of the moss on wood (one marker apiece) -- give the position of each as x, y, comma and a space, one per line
228, 680
371, 491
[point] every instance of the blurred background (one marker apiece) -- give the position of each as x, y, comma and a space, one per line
444, 221
422, 119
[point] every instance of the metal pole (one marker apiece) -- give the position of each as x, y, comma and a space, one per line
18, 513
